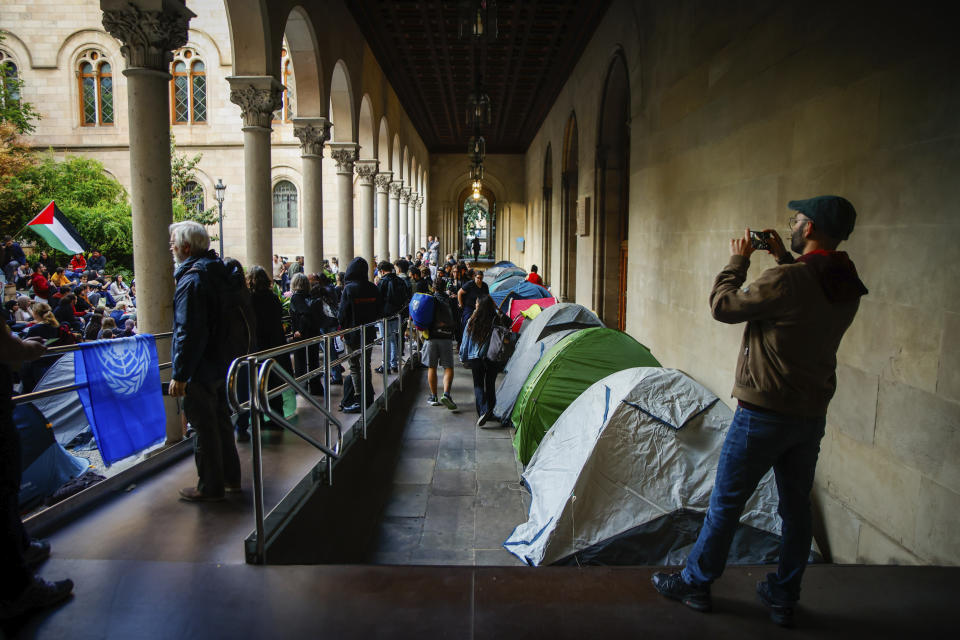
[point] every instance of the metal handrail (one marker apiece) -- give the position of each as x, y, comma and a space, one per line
262, 364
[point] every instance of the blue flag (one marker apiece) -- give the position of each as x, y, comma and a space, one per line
123, 398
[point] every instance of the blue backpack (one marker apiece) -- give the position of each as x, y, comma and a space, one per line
422, 308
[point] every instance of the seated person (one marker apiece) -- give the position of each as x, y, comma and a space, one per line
94, 325
82, 303
119, 290
44, 324
97, 262
21, 313
129, 328
58, 295
78, 264
105, 334
109, 324
22, 276
59, 277
119, 314
41, 287
67, 313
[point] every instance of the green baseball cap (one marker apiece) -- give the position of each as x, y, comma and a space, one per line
833, 215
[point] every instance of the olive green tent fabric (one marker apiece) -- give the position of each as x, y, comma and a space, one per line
565, 371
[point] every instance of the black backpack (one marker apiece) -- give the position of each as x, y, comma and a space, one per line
503, 341
444, 321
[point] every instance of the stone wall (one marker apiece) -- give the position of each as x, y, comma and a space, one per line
733, 113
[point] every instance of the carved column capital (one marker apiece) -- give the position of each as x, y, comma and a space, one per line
149, 37
382, 181
344, 154
312, 133
405, 195
395, 188
258, 97
366, 170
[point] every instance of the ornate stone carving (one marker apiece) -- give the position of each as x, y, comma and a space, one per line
149, 37
367, 170
257, 104
344, 157
405, 195
382, 181
396, 188
312, 138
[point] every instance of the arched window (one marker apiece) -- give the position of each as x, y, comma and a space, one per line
285, 112
95, 76
188, 88
10, 76
193, 197
284, 205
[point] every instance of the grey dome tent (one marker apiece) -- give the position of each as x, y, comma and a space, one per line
624, 477
537, 336
63, 410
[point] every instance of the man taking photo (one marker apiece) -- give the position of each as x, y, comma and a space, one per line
796, 315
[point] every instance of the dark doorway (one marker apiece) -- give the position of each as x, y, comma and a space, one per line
613, 181
569, 184
477, 217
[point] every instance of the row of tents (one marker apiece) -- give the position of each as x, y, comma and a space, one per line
620, 453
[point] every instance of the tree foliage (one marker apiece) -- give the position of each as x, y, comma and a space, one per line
13, 109
474, 211
186, 190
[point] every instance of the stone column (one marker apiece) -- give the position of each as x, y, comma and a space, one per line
258, 97
366, 172
395, 188
312, 133
382, 183
412, 223
419, 224
149, 37
344, 154
404, 218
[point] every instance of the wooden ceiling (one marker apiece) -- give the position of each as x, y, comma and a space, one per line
433, 70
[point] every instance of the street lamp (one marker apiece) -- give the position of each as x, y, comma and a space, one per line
220, 190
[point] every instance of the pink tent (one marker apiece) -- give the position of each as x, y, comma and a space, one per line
519, 306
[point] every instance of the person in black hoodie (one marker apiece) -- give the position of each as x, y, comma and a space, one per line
268, 320
199, 375
395, 299
360, 304
796, 314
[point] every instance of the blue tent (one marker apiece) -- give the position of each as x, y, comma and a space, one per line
46, 464
507, 284
522, 291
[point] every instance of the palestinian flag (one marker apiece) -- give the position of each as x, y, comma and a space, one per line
53, 226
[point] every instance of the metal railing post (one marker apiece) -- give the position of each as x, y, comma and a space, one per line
400, 330
257, 460
363, 378
386, 338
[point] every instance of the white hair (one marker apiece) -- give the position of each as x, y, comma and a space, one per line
191, 234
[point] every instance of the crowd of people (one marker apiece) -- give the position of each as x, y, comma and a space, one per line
65, 303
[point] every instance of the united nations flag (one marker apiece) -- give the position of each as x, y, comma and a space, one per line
123, 397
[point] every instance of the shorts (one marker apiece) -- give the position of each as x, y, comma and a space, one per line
438, 351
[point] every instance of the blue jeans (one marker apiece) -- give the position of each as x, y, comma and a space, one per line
755, 442
393, 342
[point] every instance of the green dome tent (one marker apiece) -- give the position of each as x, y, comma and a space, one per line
565, 371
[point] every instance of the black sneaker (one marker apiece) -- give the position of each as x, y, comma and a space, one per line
781, 612
379, 369
674, 586
39, 594
36, 553
353, 408
432, 401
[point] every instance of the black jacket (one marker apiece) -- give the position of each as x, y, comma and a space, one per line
394, 292
268, 313
194, 315
361, 301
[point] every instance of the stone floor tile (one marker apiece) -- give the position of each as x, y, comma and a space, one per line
414, 471
421, 430
457, 459
415, 448
398, 534
454, 482
496, 558
408, 501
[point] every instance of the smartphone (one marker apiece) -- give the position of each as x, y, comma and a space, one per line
50, 341
759, 240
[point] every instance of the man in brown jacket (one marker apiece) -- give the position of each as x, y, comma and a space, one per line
796, 315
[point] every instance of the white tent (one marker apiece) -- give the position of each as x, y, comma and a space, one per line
624, 477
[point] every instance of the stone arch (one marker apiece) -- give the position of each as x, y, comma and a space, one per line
308, 77
73, 44
546, 210
18, 50
569, 185
612, 185
250, 43
367, 137
405, 166
341, 104
397, 163
383, 146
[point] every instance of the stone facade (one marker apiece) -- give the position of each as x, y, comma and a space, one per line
46, 39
